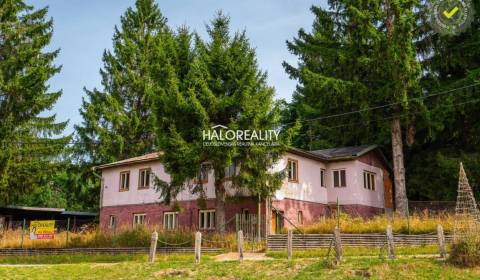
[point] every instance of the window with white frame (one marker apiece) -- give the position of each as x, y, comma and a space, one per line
139, 219
113, 221
339, 178
369, 180
292, 169
170, 220
124, 180
322, 177
206, 219
300, 217
144, 178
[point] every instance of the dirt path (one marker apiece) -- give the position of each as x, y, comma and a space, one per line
246, 256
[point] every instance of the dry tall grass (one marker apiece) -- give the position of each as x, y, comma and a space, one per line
124, 237
416, 224
140, 237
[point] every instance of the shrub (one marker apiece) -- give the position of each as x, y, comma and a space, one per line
127, 237
416, 224
465, 252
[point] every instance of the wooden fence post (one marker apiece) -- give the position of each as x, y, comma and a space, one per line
390, 246
68, 229
338, 245
153, 247
240, 245
441, 241
24, 225
198, 246
289, 244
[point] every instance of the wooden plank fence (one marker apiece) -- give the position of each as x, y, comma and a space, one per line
111, 251
312, 241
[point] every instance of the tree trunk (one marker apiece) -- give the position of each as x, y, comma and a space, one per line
220, 195
401, 202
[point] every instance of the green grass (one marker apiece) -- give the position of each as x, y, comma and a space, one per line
357, 251
77, 258
93, 258
182, 267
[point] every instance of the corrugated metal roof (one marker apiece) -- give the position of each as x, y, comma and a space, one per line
28, 208
62, 211
78, 213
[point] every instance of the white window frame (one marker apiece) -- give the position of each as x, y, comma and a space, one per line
144, 178
124, 181
340, 183
322, 177
170, 220
292, 172
300, 217
206, 219
139, 219
112, 222
369, 180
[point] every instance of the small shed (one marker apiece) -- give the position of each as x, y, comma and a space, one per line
12, 217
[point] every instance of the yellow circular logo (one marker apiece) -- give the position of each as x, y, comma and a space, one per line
451, 17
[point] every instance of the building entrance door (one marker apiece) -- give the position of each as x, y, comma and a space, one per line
277, 222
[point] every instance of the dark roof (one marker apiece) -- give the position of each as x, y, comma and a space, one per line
344, 152
29, 208
139, 159
60, 211
78, 213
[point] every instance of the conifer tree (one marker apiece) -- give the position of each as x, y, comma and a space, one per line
223, 87
450, 65
31, 147
359, 55
117, 121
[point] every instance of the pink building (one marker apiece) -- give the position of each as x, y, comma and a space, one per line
358, 177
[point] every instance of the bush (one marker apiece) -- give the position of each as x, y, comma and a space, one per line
466, 251
127, 237
416, 224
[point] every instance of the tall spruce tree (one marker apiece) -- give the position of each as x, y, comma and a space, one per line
450, 65
118, 121
29, 154
223, 86
359, 55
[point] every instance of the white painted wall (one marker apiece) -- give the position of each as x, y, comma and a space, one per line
111, 195
307, 189
354, 192
111, 181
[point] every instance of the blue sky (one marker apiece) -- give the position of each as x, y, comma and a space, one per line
83, 30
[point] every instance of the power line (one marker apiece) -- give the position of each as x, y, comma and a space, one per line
387, 118
59, 141
384, 105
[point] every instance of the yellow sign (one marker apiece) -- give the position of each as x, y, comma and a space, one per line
42, 229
